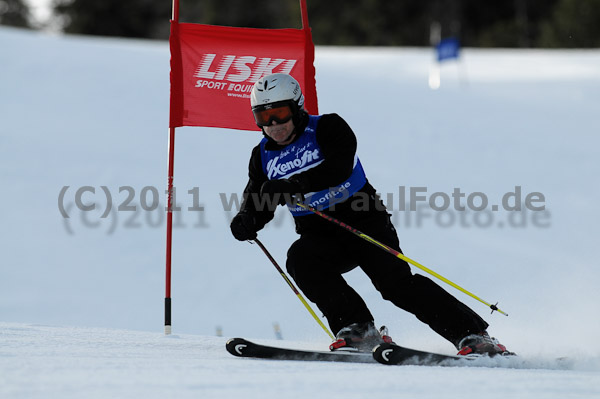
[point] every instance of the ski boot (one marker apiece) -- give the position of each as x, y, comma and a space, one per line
481, 344
361, 337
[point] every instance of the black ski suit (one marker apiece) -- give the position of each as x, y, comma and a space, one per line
324, 251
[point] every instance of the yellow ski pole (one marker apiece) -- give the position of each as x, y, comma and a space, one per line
298, 294
398, 255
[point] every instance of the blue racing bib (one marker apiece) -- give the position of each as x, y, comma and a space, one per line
304, 154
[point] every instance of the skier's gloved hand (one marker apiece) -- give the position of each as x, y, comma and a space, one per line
243, 227
281, 189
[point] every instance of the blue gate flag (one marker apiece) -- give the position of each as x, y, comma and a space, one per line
447, 49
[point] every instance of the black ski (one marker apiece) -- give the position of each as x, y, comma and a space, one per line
392, 354
244, 348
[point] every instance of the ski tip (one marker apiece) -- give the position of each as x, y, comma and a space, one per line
235, 346
381, 352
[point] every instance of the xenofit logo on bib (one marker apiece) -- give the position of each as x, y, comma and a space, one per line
284, 168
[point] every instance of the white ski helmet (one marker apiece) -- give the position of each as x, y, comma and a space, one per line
276, 90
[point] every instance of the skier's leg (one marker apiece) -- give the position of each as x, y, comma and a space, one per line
415, 293
316, 264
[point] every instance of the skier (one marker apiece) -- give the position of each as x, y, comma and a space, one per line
313, 157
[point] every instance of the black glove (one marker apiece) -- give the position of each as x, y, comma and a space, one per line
243, 227
280, 190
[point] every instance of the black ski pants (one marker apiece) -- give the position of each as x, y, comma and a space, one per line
316, 261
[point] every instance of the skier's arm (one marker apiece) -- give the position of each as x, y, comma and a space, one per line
252, 203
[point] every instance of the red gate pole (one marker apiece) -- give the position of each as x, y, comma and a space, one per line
169, 231
310, 91
170, 206
304, 14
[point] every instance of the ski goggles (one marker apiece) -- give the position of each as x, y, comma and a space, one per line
278, 113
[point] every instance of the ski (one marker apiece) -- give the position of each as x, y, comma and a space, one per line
243, 348
392, 354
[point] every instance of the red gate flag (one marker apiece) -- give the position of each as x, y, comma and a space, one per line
213, 69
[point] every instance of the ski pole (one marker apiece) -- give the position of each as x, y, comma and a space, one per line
398, 255
298, 294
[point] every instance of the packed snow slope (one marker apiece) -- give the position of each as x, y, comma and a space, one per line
82, 113
40, 361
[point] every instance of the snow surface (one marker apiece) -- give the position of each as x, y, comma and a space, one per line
79, 111
40, 361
